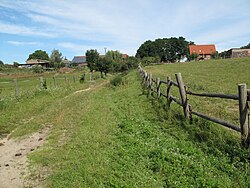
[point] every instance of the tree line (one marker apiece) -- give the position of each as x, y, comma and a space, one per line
111, 62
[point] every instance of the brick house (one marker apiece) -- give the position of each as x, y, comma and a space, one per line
204, 51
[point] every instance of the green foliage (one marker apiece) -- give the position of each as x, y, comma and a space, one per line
246, 47
16, 64
56, 59
132, 62
82, 78
37, 69
215, 55
39, 54
92, 58
116, 81
150, 60
193, 56
1, 63
168, 49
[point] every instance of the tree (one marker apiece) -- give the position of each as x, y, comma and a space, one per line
56, 57
215, 55
168, 49
92, 57
16, 64
1, 62
193, 56
246, 47
39, 54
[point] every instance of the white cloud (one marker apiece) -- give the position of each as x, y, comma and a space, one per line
23, 30
21, 43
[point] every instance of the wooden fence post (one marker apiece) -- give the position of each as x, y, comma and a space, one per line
245, 135
158, 89
41, 82
168, 90
55, 83
150, 85
183, 94
16, 84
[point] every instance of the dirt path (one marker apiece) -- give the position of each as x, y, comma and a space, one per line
13, 158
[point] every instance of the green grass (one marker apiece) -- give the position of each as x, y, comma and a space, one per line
214, 76
26, 114
117, 137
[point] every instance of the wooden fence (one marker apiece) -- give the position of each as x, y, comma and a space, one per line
154, 86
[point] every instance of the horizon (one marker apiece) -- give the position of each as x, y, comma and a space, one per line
73, 28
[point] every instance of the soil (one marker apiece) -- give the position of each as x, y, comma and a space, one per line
14, 162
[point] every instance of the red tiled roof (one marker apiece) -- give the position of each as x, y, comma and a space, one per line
124, 56
202, 49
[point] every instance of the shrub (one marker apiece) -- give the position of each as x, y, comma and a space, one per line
82, 79
116, 81
37, 69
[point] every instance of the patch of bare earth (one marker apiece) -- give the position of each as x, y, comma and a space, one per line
13, 158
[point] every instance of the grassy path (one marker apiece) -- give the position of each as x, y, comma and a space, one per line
114, 137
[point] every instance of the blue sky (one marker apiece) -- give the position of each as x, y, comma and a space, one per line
74, 26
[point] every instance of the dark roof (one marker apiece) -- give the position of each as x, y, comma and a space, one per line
202, 49
79, 59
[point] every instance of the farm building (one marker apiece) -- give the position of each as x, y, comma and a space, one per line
33, 62
204, 51
238, 52
79, 60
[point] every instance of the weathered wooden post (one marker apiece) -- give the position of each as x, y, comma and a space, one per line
183, 94
55, 83
16, 85
243, 109
158, 89
41, 82
150, 85
168, 90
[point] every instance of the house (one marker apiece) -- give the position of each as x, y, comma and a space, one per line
238, 52
79, 60
204, 51
34, 62
124, 56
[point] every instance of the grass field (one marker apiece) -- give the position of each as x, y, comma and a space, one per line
214, 76
116, 137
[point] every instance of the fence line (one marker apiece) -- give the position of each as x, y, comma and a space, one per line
154, 86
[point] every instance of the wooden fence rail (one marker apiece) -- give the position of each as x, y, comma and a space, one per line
154, 86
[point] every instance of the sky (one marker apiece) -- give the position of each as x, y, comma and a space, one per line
74, 26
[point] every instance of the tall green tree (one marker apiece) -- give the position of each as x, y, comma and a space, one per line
56, 56
1, 62
92, 58
168, 49
115, 60
39, 54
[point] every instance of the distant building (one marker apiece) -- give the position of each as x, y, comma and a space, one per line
34, 62
79, 60
238, 52
124, 56
204, 51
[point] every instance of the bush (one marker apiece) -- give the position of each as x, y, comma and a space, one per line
37, 69
116, 81
82, 79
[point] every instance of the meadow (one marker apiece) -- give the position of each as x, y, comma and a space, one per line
114, 136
